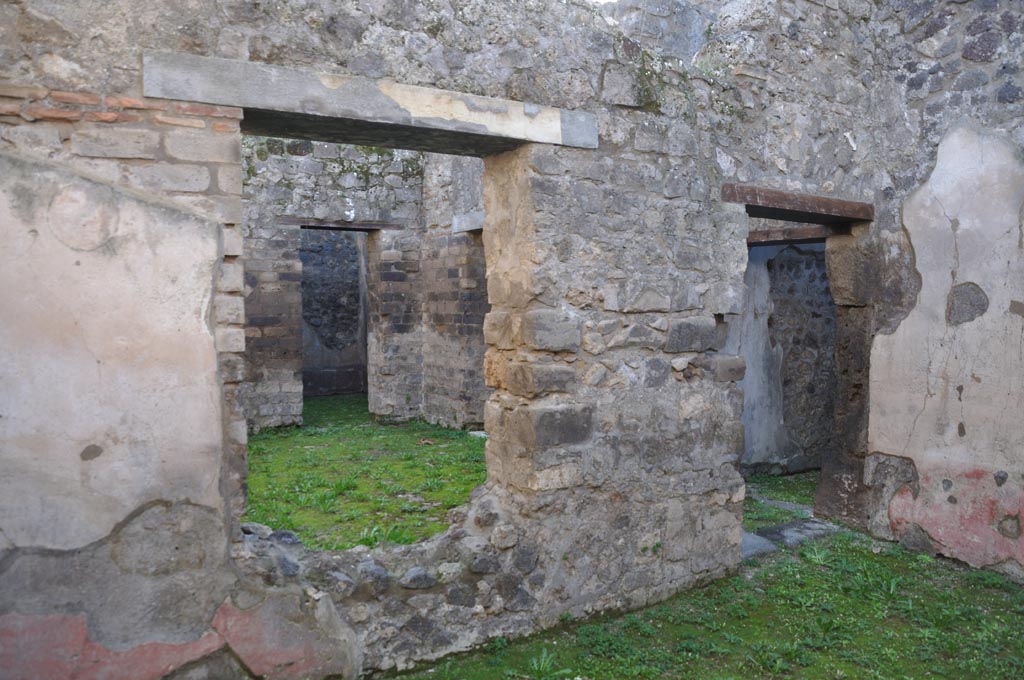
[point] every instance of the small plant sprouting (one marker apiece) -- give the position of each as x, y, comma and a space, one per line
344, 485
815, 554
541, 667
497, 645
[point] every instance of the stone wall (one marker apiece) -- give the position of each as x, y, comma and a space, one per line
118, 216
416, 335
177, 154
946, 454
271, 394
950, 63
803, 325
427, 300
611, 273
333, 312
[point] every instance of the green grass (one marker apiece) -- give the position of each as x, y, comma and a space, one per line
798, 488
342, 479
842, 607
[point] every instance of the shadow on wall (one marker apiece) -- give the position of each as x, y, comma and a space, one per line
787, 334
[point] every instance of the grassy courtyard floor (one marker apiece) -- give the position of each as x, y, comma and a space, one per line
846, 606
342, 479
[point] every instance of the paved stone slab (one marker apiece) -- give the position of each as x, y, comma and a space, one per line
805, 510
796, 532
754, 545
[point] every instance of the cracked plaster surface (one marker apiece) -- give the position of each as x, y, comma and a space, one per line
942, 393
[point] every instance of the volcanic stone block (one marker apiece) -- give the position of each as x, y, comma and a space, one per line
537, 426
493, 124
499, 330
692, 334
169, 177
551, 330
199, 145
723, 367
530, 380
116, 143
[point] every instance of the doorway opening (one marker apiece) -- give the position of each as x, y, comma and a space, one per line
333, 291
788, 340
797, 388
365, 298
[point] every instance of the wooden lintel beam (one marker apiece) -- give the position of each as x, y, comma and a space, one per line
337, 225
774, 204
791, 234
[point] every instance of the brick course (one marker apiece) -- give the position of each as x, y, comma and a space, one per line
426, 286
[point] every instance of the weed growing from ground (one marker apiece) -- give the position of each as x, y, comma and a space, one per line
541, 667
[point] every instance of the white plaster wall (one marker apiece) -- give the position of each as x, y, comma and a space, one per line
951, 397
109, 395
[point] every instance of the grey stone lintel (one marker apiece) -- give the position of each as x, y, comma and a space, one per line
305, 104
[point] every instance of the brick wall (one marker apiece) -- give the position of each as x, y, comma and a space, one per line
453, 343
395, 336
455, 276
428, 296
323, 181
